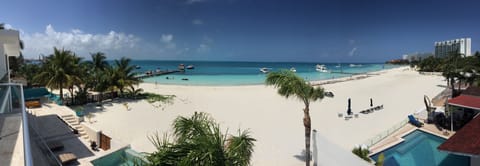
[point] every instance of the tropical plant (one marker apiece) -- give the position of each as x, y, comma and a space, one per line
289, 84
28, 71
98, 65
380, 160
197, 140
125, 75
362, 153
58, 71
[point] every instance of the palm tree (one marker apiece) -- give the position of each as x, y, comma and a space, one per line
199, 141
57, 71
98, 65
124, 71
289, 84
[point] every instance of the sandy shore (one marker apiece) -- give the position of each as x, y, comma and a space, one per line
274, 121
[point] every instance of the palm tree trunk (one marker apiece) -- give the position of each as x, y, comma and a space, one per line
61, 92
308, 126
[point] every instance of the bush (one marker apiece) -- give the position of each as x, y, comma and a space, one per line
362, 152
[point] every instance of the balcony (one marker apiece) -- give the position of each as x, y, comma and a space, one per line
20, 145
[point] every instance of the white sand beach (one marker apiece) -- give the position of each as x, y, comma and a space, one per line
274, 121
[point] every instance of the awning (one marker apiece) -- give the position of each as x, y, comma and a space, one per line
466, 141
466, 101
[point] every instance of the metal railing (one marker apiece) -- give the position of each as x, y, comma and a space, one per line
379, 137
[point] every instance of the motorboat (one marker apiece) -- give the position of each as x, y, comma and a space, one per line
354, 65
137, 67
293, 69
264, 70
321, 68
190, 67
181, 67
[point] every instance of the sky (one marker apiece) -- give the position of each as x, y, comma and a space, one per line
241, 30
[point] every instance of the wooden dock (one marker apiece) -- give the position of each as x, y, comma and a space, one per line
153, 74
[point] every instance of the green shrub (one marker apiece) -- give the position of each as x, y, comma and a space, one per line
362, 153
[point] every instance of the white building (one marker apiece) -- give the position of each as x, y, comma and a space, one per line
9, 46
461, 46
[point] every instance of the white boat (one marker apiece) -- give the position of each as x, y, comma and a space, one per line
181, 67
321, 68
354, 65
293, 69
190, 67
264, 70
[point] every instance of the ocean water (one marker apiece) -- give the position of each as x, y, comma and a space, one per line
245, 73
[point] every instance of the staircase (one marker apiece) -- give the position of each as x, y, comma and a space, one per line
73, 122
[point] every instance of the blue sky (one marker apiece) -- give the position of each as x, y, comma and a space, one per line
242, 30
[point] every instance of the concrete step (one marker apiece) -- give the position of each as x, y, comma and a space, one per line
67, 116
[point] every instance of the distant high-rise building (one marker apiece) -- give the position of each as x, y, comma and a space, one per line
461, 46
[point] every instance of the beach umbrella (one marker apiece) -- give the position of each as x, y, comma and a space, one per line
371, 102
349, 111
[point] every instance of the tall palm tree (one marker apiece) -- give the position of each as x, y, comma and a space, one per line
199, 141
57, 71
289, 84
126, 76
98, 65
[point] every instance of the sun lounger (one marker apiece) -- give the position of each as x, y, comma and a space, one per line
55, 145
414, 121
67, 157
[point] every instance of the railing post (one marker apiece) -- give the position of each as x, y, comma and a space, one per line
26, 134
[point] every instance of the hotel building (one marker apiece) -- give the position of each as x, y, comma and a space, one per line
461, 46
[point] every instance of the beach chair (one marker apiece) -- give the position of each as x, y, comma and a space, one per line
414, 121
67, 157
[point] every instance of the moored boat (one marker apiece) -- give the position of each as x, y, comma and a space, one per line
264, 70
181, 67
293, 69
321, 68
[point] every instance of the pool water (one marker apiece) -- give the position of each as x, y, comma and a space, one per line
420, 149
122, 157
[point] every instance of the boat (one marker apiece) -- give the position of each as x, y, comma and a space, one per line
321, 68
181, 67
354, 65
137, 67
190, 67
264, 70
293, 69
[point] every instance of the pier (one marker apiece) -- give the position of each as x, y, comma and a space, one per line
153, 74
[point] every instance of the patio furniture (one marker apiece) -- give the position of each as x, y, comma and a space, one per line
414, 121
67, 157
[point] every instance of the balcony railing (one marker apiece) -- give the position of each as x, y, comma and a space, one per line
12, 107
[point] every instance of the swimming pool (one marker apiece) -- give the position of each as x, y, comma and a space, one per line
420, 149
122, 157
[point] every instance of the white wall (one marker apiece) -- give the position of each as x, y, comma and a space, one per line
474, 161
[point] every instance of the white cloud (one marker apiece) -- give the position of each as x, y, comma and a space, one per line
206, 45
167, 38
203, 48
7, 26
197, 22
77, 41
351, 42
352, 52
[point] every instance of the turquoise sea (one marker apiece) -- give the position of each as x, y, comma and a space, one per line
245, 73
